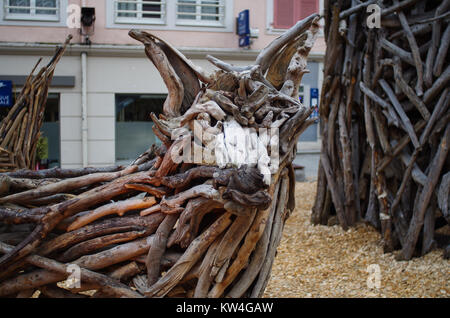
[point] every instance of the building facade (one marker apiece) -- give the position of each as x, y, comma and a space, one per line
104, 87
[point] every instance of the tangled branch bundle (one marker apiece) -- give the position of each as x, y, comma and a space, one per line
385, 122
199, 216
20, 129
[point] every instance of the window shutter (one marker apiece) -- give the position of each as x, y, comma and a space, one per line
283, 14
306, 8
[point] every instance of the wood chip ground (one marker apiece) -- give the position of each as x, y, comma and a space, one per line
324, 261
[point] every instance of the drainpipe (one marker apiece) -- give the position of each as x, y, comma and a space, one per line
84, 125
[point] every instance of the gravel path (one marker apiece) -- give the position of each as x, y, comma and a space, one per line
323, 261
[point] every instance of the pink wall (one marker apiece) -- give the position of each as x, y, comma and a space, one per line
178, 38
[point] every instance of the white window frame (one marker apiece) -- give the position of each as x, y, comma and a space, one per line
139, 19
197, 21
32, 16
171, 22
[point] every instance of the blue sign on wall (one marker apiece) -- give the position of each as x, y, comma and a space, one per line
5, 93
244, 23
314, 103
243, 28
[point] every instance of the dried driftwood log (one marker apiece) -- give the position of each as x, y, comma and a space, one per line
385, 122
199, 216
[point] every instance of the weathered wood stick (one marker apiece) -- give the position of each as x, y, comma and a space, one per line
172, 104
53, 291
349, 204
142, 35
425, 196
340, 212
118, 208
414, 49
126, 271
226, 66
435, 40
442, 52
257, 239
398, 107
398, 147
346, 13
157, 192
438, 85
158, 247
297, 65
398, 7
428, 242
9, 216
61, 173
230, 241
198, 206
115, 255
108, 226
374, 97
187, 261
204, 271
275, 237
67, 185
184, 179
87, 247
408, 91
203, 190
58, 212
61, 271
398, 51
267, 54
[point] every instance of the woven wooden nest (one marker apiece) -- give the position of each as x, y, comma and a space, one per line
385, 123
171, 224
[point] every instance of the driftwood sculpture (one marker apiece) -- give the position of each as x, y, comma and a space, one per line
385, 121
20, 129
199, 216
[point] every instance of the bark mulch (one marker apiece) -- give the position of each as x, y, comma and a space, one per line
326, 261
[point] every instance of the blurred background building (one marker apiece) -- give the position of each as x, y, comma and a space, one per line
104, 87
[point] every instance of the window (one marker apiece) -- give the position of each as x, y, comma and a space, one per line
51, 133
288, 12
134, 134
139, 11
311, 134
176, 15
44, 10
200, 12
